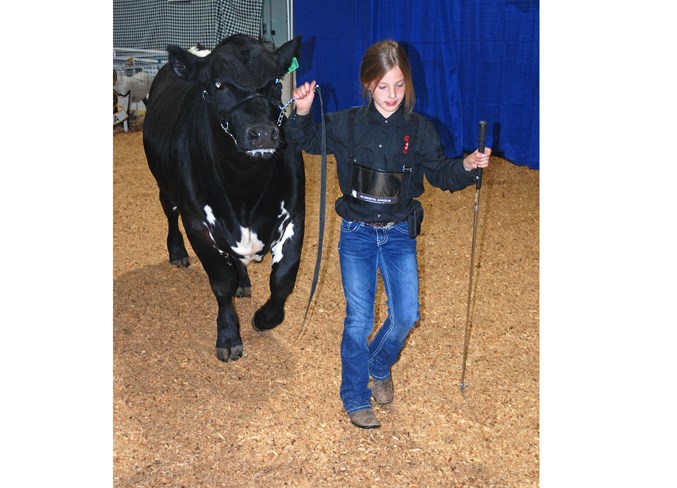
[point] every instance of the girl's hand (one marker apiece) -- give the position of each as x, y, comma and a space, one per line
303, 97
477, 160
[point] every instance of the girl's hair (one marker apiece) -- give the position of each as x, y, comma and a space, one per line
377, 61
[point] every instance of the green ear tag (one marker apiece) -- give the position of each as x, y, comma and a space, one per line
294, 64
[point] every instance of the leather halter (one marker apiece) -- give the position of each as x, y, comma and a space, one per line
225, 122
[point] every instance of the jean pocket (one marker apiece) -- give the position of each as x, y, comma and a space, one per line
350, 225
402, 227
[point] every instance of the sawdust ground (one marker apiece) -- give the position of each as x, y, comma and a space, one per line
274, 418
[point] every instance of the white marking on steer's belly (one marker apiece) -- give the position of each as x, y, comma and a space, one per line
286, 232
249, 246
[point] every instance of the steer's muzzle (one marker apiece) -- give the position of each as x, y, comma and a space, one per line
263, 137
261, 141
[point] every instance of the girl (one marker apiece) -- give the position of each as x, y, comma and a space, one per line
382, 151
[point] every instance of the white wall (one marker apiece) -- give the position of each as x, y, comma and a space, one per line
276, 29
274, 20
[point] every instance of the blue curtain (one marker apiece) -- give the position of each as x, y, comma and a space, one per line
471, 60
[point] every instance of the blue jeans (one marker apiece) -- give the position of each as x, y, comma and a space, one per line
362, 251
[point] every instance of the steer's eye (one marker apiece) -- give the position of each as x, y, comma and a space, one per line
218, 85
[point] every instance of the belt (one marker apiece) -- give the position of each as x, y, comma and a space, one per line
381, 225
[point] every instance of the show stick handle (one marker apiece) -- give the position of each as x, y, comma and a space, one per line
480, 147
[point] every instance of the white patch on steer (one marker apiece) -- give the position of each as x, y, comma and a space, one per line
285, 231
199, 51
249, 246
211, 220
210, 214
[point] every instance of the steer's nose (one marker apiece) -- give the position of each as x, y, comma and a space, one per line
263, 136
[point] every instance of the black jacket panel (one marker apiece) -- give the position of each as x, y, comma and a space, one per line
383, 144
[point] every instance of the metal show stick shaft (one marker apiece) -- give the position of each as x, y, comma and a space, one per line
478, 185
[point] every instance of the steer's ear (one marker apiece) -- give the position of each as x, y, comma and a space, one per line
182, 62
285, 53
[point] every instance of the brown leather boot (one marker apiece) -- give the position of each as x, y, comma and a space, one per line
364, 419
382, 390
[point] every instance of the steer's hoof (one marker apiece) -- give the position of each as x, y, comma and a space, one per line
225, 354
243, 292
254, 326
263, 321
182, 262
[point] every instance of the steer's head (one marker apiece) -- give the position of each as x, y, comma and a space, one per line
240, 84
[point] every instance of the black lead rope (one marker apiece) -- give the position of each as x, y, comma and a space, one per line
323, 198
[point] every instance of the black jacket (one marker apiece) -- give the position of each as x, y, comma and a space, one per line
384, 145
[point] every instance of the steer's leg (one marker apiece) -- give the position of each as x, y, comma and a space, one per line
244, 286
228, 340
177, 249
282, 280
223, 278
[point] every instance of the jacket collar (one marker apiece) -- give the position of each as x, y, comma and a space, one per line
373, 116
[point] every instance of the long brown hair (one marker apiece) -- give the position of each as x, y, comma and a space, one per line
377, 61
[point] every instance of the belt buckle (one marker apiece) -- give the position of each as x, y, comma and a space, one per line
382, 225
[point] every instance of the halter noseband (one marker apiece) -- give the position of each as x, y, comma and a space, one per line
226, 120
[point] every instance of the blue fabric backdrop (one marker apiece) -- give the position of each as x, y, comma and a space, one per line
471, 60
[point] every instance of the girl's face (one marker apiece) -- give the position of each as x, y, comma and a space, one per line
388, 93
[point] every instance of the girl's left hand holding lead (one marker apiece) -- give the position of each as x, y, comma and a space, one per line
477, 159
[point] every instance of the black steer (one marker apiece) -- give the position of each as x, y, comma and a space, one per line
214, 141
